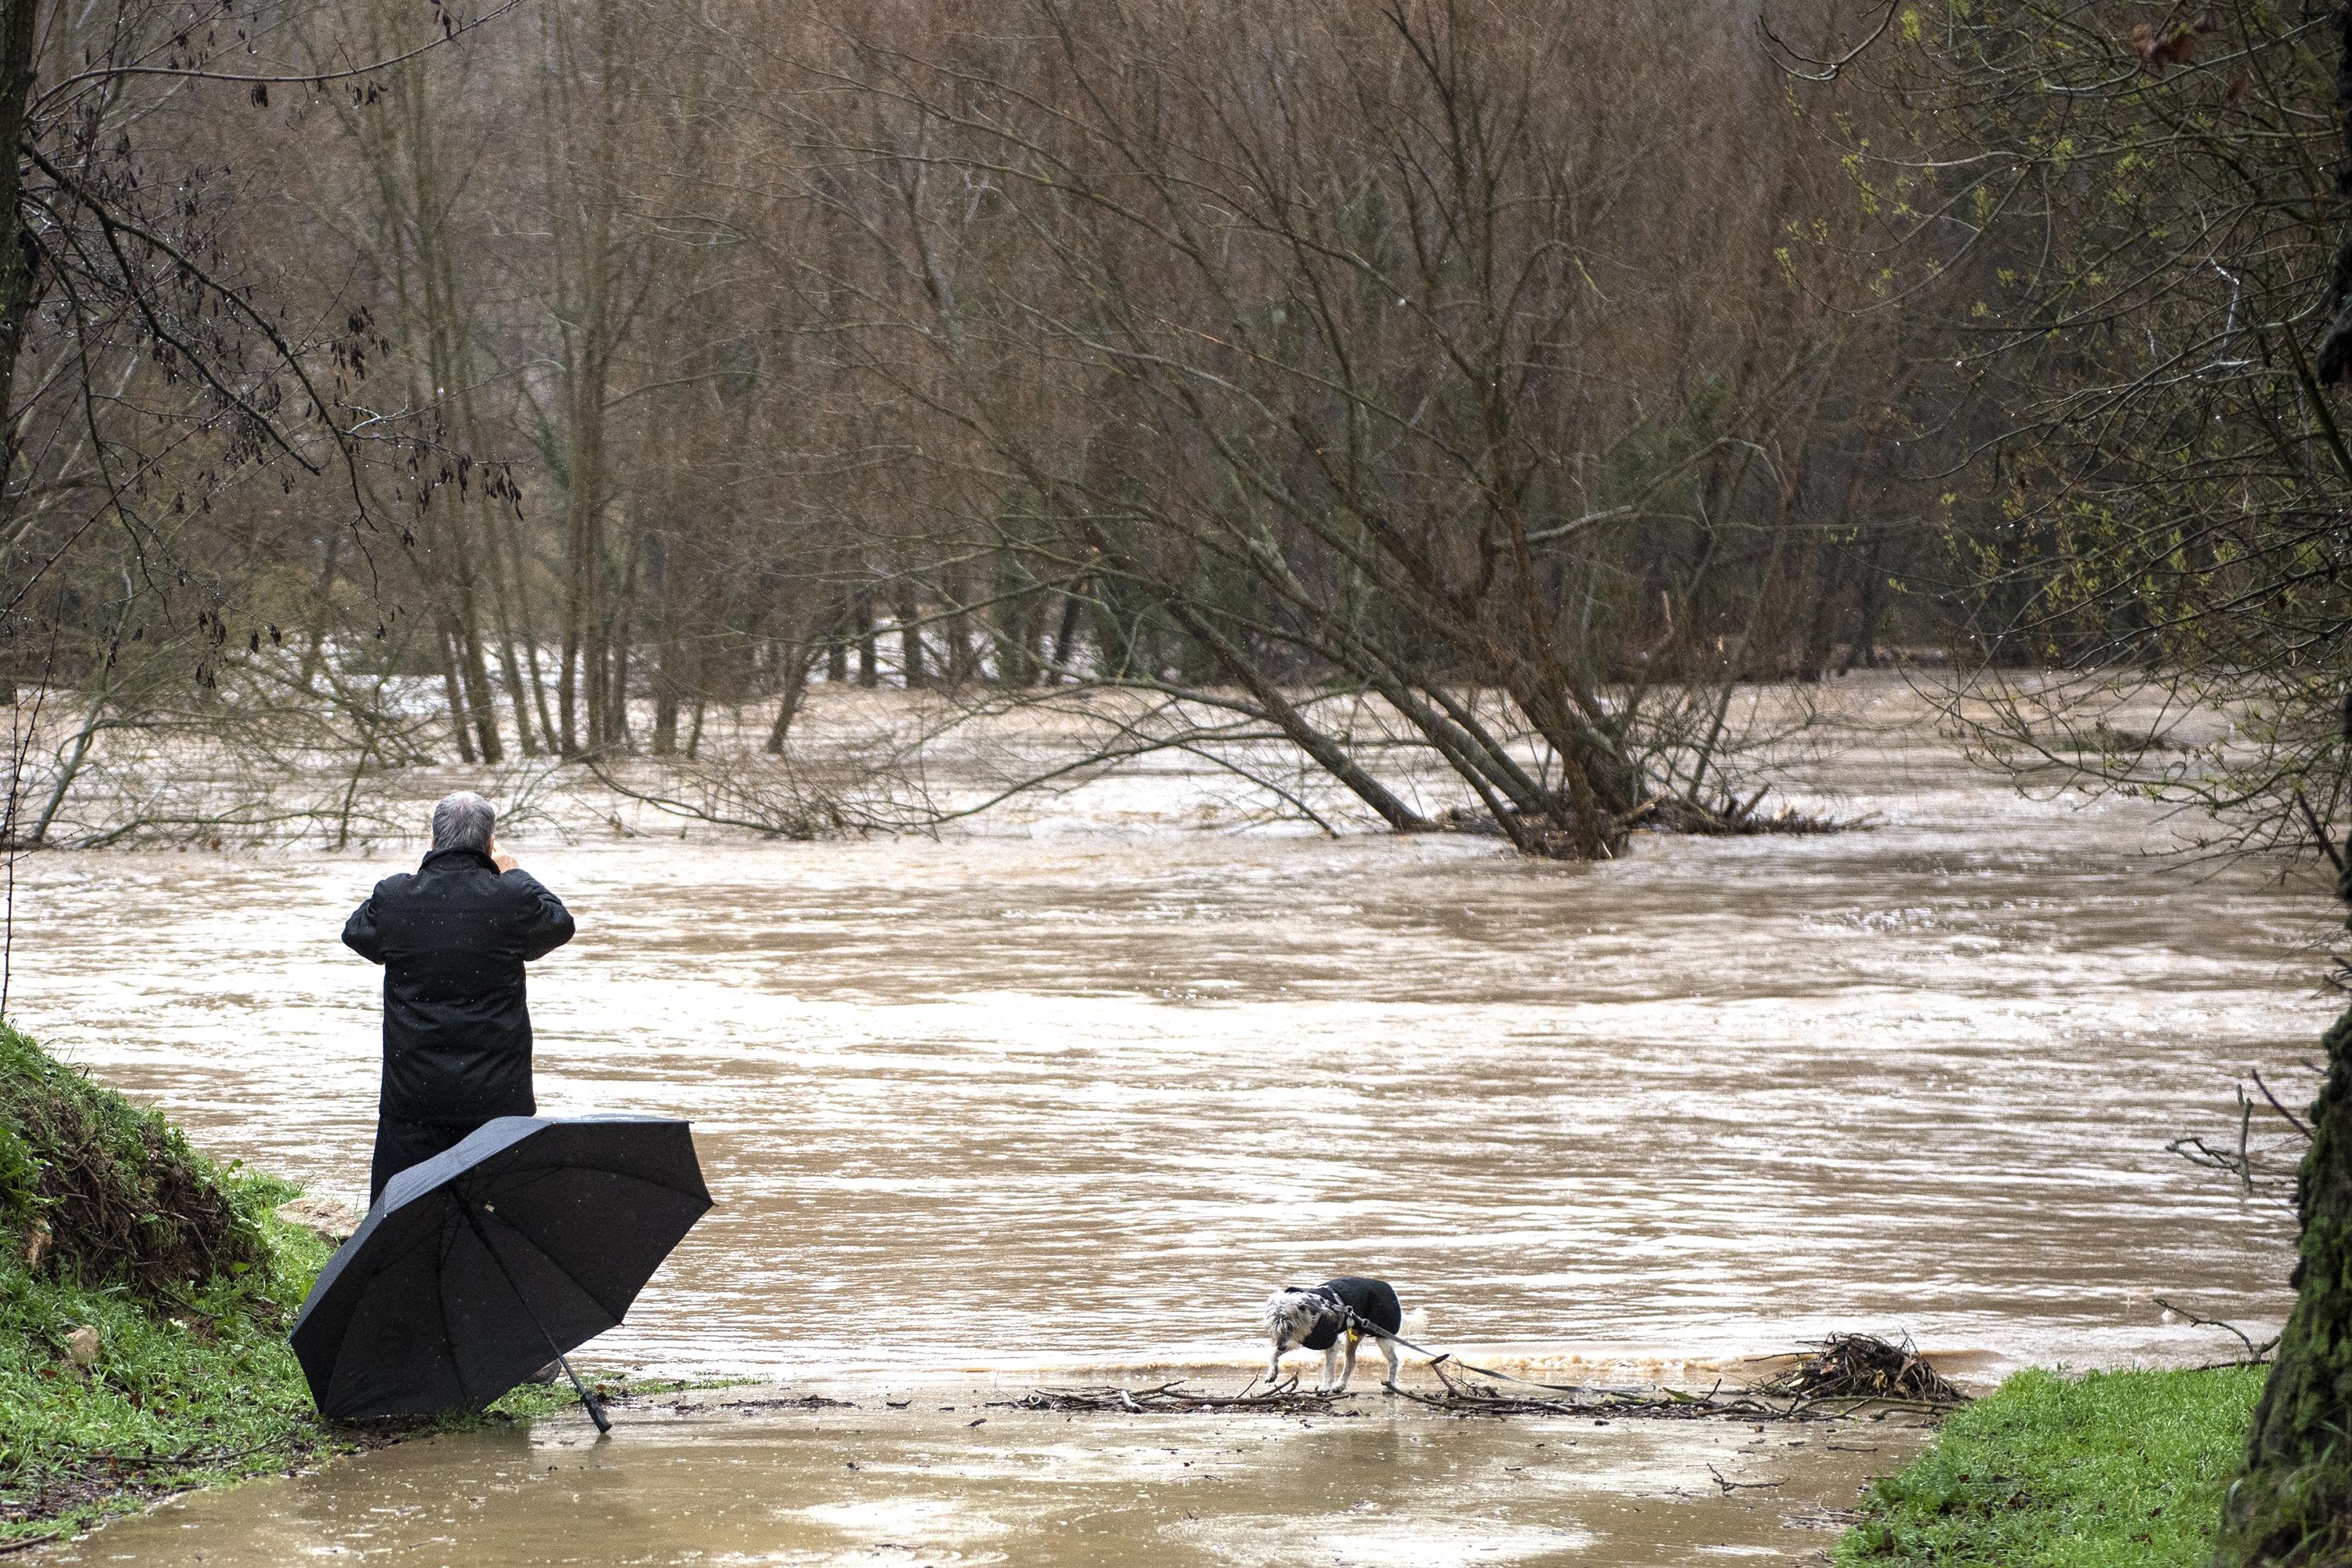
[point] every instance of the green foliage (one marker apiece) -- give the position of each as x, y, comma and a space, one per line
20, 1176
2120, 1470
190, 1381
122, 1196
203, 1389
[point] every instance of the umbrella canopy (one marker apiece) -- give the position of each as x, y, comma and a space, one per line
483, 1264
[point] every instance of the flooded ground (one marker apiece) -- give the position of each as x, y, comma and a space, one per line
713, 1479
1081, 1089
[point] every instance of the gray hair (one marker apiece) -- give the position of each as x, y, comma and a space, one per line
463, 821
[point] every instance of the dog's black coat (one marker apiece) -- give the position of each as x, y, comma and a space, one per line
1371, 1300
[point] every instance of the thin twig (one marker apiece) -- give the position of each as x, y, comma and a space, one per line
2326, 846
1731, 1487
2282, 1110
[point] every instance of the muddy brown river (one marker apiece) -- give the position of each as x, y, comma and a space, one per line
1077, 1092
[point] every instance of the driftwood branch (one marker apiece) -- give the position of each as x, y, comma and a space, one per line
2254, 1353
1731, 1487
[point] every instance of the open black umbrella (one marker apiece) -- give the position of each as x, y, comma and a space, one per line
476, 1267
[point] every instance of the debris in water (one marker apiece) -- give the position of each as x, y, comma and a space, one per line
1863, 1366
1833, 1381
803, 1402
1172, 1398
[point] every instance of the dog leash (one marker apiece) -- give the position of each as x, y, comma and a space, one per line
1358, 1325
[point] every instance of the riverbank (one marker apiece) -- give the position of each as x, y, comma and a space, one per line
2117, 1469
145, 1292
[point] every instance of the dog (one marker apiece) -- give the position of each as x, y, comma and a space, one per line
1317, 1317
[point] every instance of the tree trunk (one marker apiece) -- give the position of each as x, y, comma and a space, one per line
669, 650
620, 622
793, 665
1328, 753
2293, 1503
16, 254
910, 636
2332, 362
314, 651
445, 638
474, 671
1828, 574
1871, 611
961, 660
1064, 635
870, 660
575, 597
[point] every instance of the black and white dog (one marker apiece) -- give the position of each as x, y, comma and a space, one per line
1317, 1317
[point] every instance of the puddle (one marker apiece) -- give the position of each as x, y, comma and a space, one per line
1379, 1488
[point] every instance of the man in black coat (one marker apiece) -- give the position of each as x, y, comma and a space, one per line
453, 936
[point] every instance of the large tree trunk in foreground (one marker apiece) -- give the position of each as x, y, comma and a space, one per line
2293, 1504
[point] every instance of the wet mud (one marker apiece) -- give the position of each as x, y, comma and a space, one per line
713, 1479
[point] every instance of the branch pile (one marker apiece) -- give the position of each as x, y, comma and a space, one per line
1863, 1366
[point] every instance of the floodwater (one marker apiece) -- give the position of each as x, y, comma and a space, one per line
1078, 1091
972, 1484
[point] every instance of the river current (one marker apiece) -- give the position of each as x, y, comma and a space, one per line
1084, 1087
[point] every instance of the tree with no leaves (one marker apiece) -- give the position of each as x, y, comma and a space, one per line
1332, 358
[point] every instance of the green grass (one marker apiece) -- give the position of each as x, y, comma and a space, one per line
2119, 1469
192, 1383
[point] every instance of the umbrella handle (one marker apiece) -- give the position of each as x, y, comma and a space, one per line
595, 1406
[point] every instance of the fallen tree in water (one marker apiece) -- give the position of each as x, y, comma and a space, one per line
1729, 817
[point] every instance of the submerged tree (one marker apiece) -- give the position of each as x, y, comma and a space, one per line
1325, 359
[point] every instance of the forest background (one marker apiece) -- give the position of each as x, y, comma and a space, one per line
1499, 392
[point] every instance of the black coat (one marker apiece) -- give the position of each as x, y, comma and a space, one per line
453, 936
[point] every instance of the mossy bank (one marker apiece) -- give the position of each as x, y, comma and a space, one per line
145, 1292
2119, 1469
